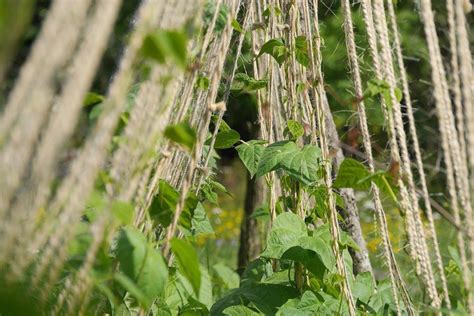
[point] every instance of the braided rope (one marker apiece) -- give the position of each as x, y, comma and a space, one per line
31, 97
315, 59
449, 142
420, 242
60, 128
416, 147
203, 128
395, 276
84, 169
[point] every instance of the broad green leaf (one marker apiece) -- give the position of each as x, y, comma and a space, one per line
250, 153
308, 305
142, 264
275, 48
200, 222
123, 211
301, 50
209, 194
164, 204
188, 262
244, 82
223, 127
321, 247
350, 174
132, 288
257, 271
287, 229
228, 277
269, 297
181, 133
375, 87
347, 241
261, 213
163, 45
303, 164
314, 253
205, 290
383, 297
273, 155
295, 128
240, 310
353, 174
193, 308
225, 139
363, 286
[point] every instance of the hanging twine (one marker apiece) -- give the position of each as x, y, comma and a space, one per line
418, 233
30, 100
416, 147
450, 144
61, 126
395, 276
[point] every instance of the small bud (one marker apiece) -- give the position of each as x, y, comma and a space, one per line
165, 153
219, 106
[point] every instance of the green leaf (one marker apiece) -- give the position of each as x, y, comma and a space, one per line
239, 310
236, 26
225, 139
353, 174
163, 45
347, 241
181, 133
123, 211
223, 127
130, 286
200, 222
142, 264
272, 156
164, 204
188, 262
244, 82
228, 277
383, 297
250, 153
308, 305
269, 297
303, 164
261, 213
96, 111
275, 48
257, 271
202, 82
210, 10
93, 98
363, 287
350, 174
295, 128
287, 229
376, 87
301, 50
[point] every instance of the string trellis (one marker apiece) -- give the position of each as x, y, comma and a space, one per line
45, 104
